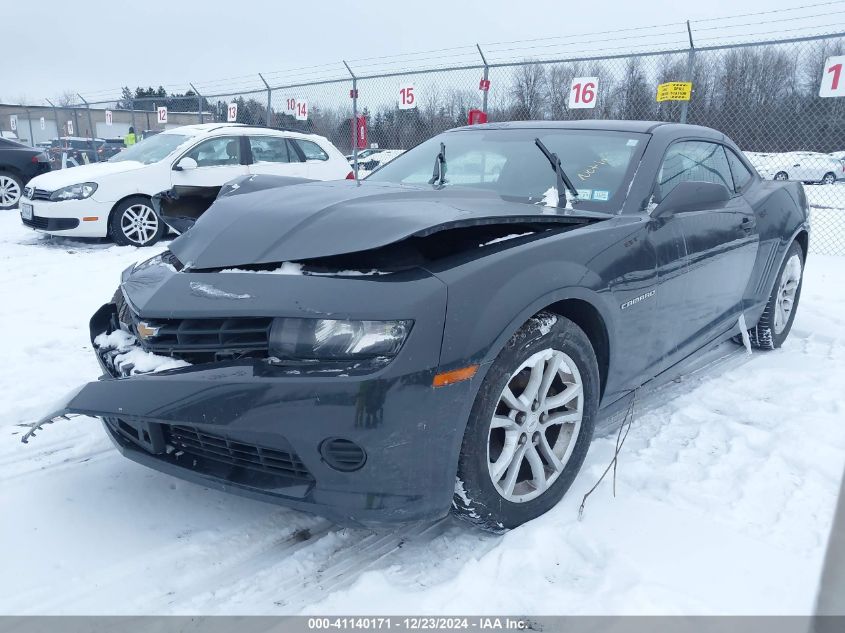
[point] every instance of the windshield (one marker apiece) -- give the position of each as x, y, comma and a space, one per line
152, 149
598, 162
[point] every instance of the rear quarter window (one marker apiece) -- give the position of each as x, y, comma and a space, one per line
311, 150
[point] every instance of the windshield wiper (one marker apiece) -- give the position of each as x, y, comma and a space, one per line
439, 175
563, 183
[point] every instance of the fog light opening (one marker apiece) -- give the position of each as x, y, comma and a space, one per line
342, 454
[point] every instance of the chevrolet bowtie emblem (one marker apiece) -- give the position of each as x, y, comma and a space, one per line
146, 331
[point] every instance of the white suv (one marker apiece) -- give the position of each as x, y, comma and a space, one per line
113, 199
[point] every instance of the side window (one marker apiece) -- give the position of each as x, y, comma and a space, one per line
217, 152
739, 170
311, 150
269, 149
696, 161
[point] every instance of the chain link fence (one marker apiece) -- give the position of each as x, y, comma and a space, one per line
764, 95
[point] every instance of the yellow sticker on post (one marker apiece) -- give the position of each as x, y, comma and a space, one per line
674, 91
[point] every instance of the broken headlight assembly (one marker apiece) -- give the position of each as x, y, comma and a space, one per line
336, 340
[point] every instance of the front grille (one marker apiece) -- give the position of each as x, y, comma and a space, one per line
230, 336
272, 461
37, 194
51, 224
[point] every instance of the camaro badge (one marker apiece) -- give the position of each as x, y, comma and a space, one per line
635, 300
146, 331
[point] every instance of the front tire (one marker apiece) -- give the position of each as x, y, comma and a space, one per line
134, 222
11, 189
781, 175
774, 326
829, 178
530, 427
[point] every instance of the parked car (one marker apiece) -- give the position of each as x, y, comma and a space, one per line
18, 164
110, 147
113, 198
72, 151
364, 153
376, 160
390, 351
807, 167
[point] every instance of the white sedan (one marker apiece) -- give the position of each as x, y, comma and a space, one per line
808, 167
113, 198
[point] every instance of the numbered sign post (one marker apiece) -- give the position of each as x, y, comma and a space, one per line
43, 123
407, 97
290, 105
108, 117
162, 115
833, 81
301, 111
583, 92
232, 112
70, 128
13, 122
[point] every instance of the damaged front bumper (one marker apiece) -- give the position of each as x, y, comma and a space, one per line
360, 449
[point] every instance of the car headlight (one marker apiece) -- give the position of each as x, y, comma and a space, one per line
330, 339
75, 192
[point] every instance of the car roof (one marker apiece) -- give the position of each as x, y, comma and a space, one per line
618, 125
201, 129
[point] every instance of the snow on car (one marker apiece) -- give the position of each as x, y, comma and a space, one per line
807, 167
113, 199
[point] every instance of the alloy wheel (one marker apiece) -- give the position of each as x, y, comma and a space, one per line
10, 192
532, 435
788, 287
139, 223
781, 175
829, 179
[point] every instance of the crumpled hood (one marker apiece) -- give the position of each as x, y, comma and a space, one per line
84, 173
321, 219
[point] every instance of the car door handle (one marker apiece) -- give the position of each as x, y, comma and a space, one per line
748, 224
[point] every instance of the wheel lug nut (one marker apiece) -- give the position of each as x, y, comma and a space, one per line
522, 439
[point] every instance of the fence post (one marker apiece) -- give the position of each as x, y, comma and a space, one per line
90, 128
199, 101
354, 131
690, 62
486, 77
56, 117
29, 118
269, 115
132, 114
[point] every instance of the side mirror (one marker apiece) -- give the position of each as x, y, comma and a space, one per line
691, 195
185, 163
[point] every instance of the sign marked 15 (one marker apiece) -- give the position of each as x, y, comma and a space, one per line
582, 93
407, 98
833, 81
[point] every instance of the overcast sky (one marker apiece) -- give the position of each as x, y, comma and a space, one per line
91, 46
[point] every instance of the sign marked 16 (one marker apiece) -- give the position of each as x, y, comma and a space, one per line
582, 93
833, 80
407, 98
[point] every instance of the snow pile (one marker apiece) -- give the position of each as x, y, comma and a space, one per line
132, 356
207, 290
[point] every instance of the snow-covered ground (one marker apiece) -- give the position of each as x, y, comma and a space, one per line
725, 491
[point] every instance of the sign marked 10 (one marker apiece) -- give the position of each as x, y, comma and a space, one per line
582, 93
833, 81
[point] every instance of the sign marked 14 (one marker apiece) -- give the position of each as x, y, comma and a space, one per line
582, 93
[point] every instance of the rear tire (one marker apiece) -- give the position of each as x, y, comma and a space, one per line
829, 178
11, 190
134, 222
781, 175
774, 326
530, 427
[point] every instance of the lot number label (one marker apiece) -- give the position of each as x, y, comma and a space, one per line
70, 128
232, 112
162, 115
407, 97
582, 93
301, 111
13, 122
43, 123
833, 79
108, 117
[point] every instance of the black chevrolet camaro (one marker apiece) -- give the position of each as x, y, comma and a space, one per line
448, 332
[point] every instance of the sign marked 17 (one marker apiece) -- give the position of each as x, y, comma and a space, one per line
582, 93
833, 81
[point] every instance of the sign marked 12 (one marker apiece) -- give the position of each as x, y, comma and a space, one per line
162, 115
833, 81
582, 93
